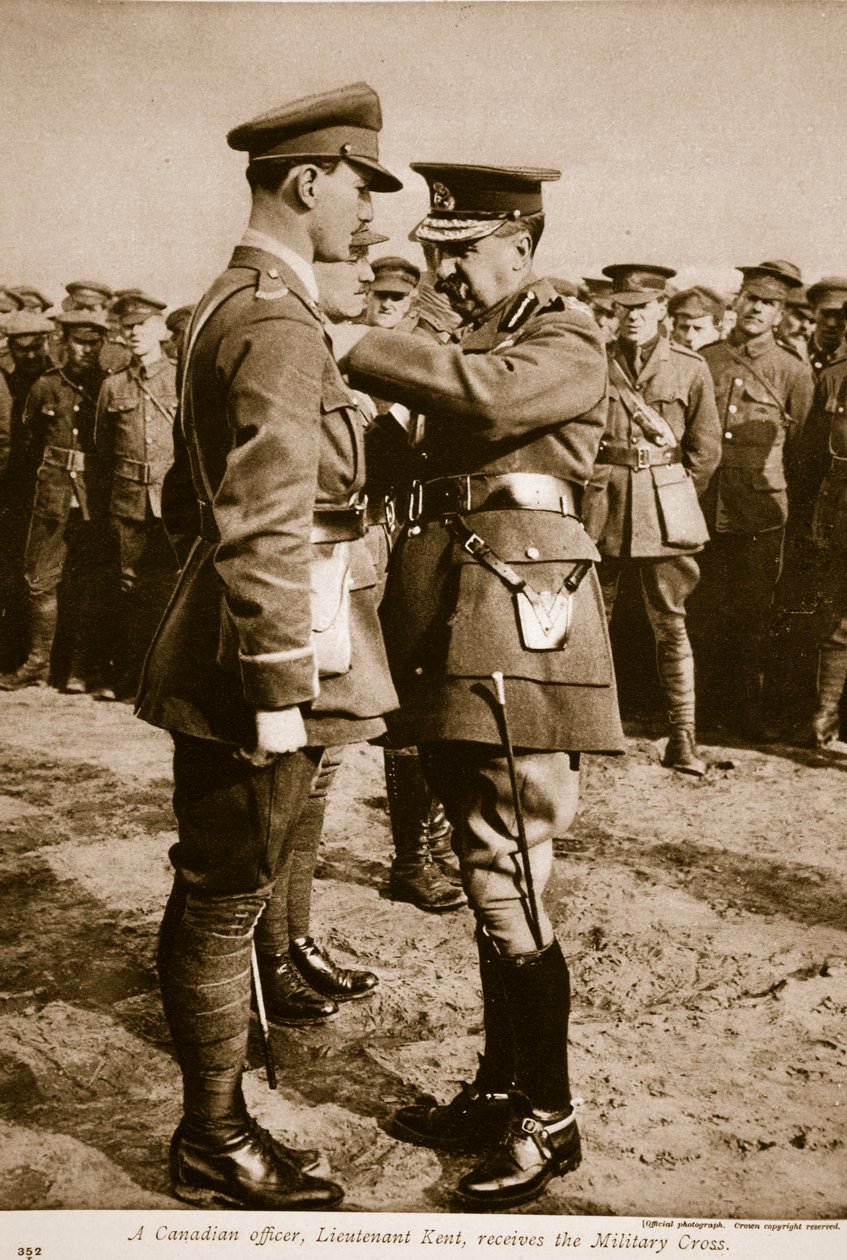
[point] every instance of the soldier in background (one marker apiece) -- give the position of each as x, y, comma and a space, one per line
27, 334
697, 314
176, 323
95, 298
763, 394
391, 293
135, 416
29, 298
66, 539
796, 328
820, 514
596, 291
827, 299
659, 450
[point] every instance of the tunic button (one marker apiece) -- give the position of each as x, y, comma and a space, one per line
75, 432
149, 441
532, 553
738, 381
817, 363
414, 531
419, 670
732, 409
728, 436
633, 441
76, 406
840, 408
273, 273
73, 475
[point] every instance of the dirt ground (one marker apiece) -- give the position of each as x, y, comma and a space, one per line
703, 920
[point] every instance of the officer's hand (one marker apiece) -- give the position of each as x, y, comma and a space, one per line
278, 731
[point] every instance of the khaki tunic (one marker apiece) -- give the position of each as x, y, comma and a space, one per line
523, 392
274, 426
134, 431
620, 509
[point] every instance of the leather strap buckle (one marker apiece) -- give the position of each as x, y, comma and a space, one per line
643, 454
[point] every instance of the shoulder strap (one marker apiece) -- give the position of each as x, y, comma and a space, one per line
657, 429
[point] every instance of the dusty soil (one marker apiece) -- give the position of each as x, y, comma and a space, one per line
704, 922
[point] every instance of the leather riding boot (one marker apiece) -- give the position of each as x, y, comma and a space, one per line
440, 833
289, 1000
321, 973
832, 675
542, 1140
477, 1118
43, 612
416, 876
219, 1154
675, 663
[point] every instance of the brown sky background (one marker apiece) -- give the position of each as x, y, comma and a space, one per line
695, 134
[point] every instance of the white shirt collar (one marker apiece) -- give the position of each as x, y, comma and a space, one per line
254, 239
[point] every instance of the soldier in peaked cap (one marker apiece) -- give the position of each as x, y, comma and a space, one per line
827, 299
66, 538
27, 333
697, 314
596, 292
134, 434
270, 650
483, 579
95, 297
797, 326
391, 292
31, 299
177, 324
659, 450
763, 393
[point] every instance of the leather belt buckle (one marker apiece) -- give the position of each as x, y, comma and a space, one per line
642, 455
415, 502
472, 544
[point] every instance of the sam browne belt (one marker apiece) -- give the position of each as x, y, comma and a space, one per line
638, 457
478, 492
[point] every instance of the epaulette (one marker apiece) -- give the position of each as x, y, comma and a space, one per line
692, 354
270, 286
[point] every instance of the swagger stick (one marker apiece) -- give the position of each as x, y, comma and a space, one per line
535, 920
267, 1048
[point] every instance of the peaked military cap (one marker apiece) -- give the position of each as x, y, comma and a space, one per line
8, 301
89, 286
394, 275
70, 321
698, 302
469, 202
635, 284
178, 319
341, 124
364, 238
27, 323
133, 304
771, 280
26, 295
798, 299
829, 293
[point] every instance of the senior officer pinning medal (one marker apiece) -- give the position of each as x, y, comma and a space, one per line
493, 575
270, 650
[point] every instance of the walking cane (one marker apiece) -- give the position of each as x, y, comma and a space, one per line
535, 920
267, 1048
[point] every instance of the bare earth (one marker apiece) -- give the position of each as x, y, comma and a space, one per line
703, 920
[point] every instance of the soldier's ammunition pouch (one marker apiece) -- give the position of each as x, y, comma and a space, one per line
478, 492
60, 457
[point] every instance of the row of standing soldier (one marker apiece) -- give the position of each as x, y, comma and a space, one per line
492, 574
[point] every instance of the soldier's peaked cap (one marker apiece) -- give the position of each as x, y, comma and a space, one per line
70, 321
394, 275
698, 302
635, 284
137, 305
342, 125
91, 286
469, 202
27, 324
829, 293
24, 291
772, 279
